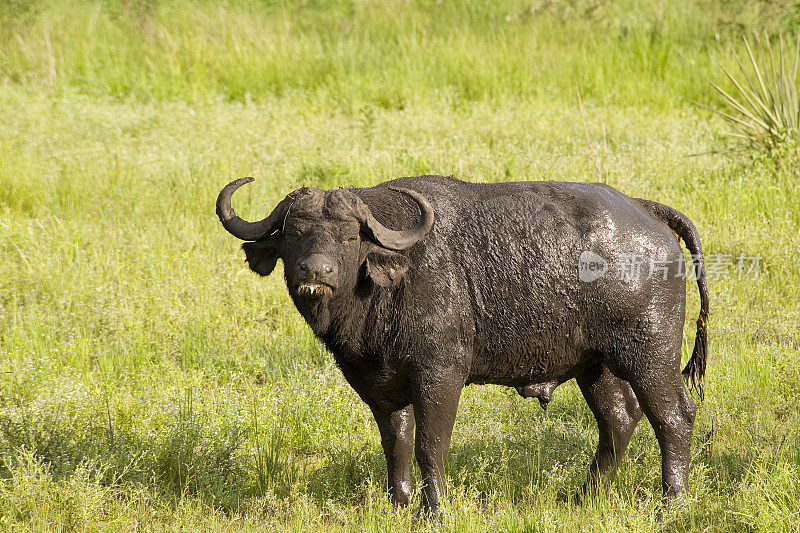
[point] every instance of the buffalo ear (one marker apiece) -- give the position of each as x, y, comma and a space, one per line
262, 255
384, 267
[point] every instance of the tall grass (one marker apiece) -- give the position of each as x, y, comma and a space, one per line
148, 380
352, 53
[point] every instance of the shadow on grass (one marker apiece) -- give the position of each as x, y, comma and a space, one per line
186, 458
552, 457
345, 475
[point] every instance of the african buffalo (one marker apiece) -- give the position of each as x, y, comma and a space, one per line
422, 285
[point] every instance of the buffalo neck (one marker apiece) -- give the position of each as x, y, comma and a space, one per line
359, 322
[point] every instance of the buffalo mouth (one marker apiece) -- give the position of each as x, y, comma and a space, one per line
314, 289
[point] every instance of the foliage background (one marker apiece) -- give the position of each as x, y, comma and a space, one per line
149, 381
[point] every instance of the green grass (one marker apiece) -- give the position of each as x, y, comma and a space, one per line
149, 380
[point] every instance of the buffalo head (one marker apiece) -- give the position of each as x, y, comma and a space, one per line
329, 242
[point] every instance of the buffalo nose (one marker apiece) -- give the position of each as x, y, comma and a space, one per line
316, 264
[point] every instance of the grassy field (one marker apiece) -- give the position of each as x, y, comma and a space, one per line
149, 381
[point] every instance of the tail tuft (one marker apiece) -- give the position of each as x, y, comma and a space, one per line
695, 369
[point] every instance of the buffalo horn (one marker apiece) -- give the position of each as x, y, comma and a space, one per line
242, 229
398, 240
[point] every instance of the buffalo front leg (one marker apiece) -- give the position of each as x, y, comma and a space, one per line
617, 412
435, 398
397, 434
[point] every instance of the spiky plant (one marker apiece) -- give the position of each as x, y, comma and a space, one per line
764, 109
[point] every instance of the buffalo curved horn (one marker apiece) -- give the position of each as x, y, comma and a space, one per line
398, 240
242, 229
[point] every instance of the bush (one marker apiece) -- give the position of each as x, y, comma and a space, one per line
763, 109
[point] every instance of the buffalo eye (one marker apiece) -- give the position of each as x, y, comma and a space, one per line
350, 240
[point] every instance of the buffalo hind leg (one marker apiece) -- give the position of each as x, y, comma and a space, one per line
397, 437
671, 412
617, 412
435, 397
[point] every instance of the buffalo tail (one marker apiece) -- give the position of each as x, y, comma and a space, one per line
681, 224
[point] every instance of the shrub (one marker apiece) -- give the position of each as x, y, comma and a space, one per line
763, 107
